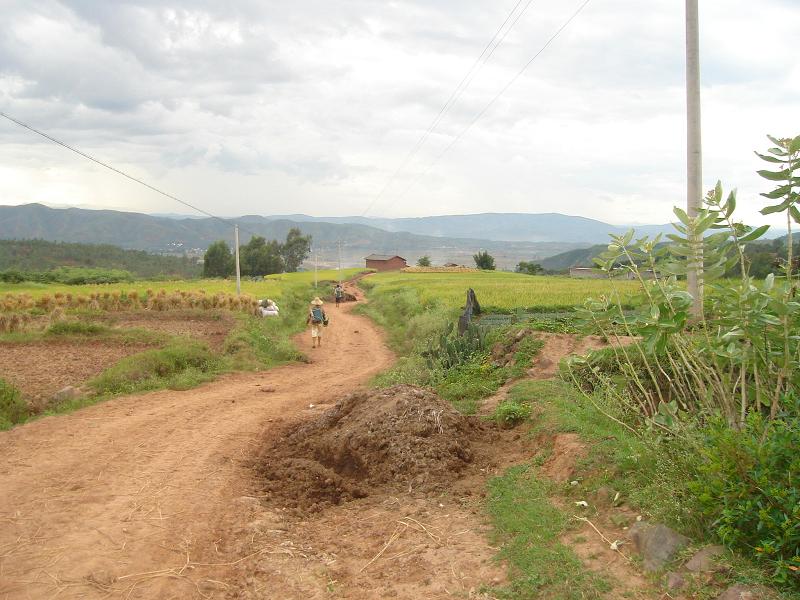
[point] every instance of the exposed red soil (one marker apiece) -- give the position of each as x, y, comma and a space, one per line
395, 440
209, 327
40, 369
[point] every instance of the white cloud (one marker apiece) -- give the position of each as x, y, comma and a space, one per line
270, 107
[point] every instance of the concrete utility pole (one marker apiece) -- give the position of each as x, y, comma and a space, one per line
340, 262
315, 268
694, 151
238, 273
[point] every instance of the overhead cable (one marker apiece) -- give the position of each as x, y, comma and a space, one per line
505, 88
482, 59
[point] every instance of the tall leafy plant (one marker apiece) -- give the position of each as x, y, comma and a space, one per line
743, 354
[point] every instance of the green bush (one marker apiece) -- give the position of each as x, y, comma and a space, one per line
13, 408
76, 328
158, 368
510, 413
748, 485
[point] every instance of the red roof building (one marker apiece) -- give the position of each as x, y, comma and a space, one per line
384, 262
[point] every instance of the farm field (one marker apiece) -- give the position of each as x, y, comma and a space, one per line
270, 285
499, 290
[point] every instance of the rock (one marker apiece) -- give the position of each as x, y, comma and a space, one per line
657, 544
521, 334
703, 560
498, 351
740, 592
64, 394
675, 581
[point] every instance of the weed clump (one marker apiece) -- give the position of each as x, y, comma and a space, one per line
13, 409
181, 364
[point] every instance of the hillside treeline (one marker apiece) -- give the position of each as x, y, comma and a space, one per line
38, 256
259, 256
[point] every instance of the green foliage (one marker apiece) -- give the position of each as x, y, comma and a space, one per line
259, 257
484, 261
295, 250
424, 261
39, 256
67, 276
177, 363
13, 409
510, 413
529, 527
747, 485
449, 349
218, 260
530, 268
79, 328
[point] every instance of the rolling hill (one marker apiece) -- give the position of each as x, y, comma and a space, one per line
193, 235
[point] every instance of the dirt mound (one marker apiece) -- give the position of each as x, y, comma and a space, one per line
403, 438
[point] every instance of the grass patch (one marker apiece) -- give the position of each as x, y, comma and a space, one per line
13, 409
529, 527
180, 365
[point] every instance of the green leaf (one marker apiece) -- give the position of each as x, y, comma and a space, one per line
794, 145
779, 192
771, 159
775, 175
730, 205
682, 216
776, 208
755, 234
795, 213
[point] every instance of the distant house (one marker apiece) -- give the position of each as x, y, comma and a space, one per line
587, 273
384, 262
451, 265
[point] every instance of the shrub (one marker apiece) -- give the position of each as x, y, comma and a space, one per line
156, 368
511, 413
76, 328
747, 485
13, 409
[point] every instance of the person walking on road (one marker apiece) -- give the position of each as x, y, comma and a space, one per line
318, 319
338, 293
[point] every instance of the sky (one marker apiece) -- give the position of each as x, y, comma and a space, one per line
266, 107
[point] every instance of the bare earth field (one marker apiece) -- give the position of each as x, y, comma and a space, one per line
40, 369
208, 327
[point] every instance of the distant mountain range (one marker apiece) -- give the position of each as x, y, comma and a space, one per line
509, 237
507, 227
193, 235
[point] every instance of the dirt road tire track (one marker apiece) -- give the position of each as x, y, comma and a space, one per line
111, 500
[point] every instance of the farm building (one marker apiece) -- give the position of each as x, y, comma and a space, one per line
587, 273
384, 262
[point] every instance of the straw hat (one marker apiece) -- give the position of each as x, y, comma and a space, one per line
317, 302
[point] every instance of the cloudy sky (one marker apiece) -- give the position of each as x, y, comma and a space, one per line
265, 107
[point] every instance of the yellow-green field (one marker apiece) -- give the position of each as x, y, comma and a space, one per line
259, 289
499, 289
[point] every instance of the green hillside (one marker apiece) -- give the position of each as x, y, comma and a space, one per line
40, 255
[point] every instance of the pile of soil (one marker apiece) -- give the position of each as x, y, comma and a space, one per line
403, 438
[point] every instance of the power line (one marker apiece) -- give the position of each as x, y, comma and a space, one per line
461, 134
118, 171
490, 47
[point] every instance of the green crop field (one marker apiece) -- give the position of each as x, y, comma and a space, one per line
271, 285
500, 290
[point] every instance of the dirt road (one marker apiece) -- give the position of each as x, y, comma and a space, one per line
127, 498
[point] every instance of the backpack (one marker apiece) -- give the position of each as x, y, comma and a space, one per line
316, 315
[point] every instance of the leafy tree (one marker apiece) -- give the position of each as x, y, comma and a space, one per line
484, 260
260, 257
218, 260
530, 268
295, 250
424, 261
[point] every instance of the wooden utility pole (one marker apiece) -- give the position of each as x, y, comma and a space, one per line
340, 262
238, 273
694, 152
315, 268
